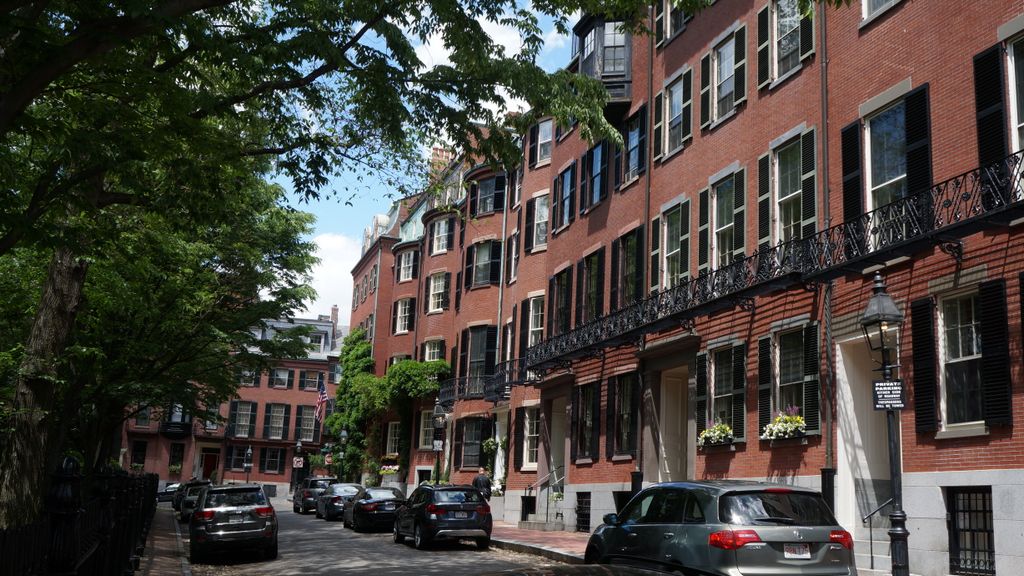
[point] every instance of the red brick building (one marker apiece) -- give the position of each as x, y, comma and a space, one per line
273, 413
603, 307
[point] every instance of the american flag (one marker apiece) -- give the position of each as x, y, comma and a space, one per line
321, 401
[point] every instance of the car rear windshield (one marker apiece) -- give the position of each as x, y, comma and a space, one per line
785, 508
194, 490
457, 496
381, 493
343, 490
319, 483
235, 498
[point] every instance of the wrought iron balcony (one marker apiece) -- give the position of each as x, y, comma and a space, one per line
983, 197
446, 394
506, 375
470, 387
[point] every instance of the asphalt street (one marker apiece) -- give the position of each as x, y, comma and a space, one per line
309, 545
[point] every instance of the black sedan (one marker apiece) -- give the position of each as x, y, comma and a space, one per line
373, 508
167, 494
331, 504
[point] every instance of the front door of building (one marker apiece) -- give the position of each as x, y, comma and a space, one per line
556, 441
672, 425
211, 460
862, 451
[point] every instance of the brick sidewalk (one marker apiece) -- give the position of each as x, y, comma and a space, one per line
164, 553
563, 546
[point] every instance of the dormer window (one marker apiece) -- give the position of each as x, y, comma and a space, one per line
603, 49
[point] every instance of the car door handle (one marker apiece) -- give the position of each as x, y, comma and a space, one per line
668, 535
632, 535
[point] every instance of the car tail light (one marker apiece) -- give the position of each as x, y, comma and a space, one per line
778, 490
483, 509
307, 494
203, 515
732, 539
370, 507
434, 509
265, 512
336, 499
841, 537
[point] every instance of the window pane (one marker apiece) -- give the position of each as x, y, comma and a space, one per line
724, 63
789, 188
888, 155
787, 22
1018, 68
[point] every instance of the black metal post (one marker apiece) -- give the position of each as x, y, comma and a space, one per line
898, 534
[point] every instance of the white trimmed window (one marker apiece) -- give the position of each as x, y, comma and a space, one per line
426, 430
722, 378
674, 269
791, 369
436, 303
873, 7
887, 155
307, 423
439, 243
404, 314
676, 19
724, 61
244, 419
960, 358
544, 140
273, 461
485, 196
248, 378
482, 264
405, 266
787, 36
722, 240
674, 114
279, 378
276, 415
531, 437
373, 278
541, 214
433, 350
512, 255
394, 435
788, 191
614, 61
536, 321
1016, 52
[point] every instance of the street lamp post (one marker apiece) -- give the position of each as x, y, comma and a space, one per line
248, 462
296, 470
881, 314
342, 441
439, 419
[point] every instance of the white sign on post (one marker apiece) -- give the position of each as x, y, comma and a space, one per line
438, 445
297, 462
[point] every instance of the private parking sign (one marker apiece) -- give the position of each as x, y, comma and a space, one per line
888, 394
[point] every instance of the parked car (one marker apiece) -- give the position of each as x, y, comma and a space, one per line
306, 493
232, 516
331, 503
575, 570
373, 508
188, 502
167, 493
183, 487
725, 528
440, 512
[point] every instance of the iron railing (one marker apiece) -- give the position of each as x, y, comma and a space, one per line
506, 375
446, 394
986, 196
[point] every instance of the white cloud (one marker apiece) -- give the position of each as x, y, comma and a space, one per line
332, 277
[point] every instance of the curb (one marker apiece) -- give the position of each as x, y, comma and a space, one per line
186, 567
534, 549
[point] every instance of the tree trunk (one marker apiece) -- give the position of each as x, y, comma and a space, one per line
24, 455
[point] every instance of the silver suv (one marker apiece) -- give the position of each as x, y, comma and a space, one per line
726, 528
232, 516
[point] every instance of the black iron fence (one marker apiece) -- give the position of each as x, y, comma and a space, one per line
95, 526
941, 215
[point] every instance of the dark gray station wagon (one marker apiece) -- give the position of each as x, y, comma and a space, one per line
726, 528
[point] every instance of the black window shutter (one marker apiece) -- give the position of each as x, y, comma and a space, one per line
464, 353
739, 391
580, 277
291, 379
604, 170
617, 170
919, 158
705, 90
495, 275
263, 459
595, 431
599, 297
655, 260
642, 140
739, 221
266, 420
923, 334
467, 270
443, 350
808, 190
995, 353
417, 424
989, 106
584, 200
534, 133
764, 202
528, 232
638, 384
383, 438
659, 112
572, 191
700, 413
474, 195
431, 232
426, 295
415, 264
457, 445
551, 307
317, 426
412, 314
232, 419
687, 120
853, 193
491, 353
638, 265
764, 383
574, 419
229, 457
499, 192
764, 72
462, 232
394, 317
287, 422
806, 36
812, 368
702, 232
613, 300
659, 21
423, 352
740, 67
451, 233
458, 290
447, 290
610, 423
519, 438
524, 326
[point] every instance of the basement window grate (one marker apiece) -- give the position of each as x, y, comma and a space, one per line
971, 538
583, 511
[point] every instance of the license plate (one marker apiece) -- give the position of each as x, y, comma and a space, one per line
236, 519
797, 551
388, 507
462, 514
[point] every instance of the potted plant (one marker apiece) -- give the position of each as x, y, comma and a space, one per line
787, 423
388, 466
715, 434
174, 469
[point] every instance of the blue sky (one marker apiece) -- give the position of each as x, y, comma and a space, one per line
339, 227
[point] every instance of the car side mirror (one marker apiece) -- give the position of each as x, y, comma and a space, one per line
611, 519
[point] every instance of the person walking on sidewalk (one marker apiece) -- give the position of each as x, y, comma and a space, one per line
482, 482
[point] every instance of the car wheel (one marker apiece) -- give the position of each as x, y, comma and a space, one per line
397, 535
318, 514
419, 539
483, 543
356, 524
592, 556
271, 551
195, 556
344, 521
296, 509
